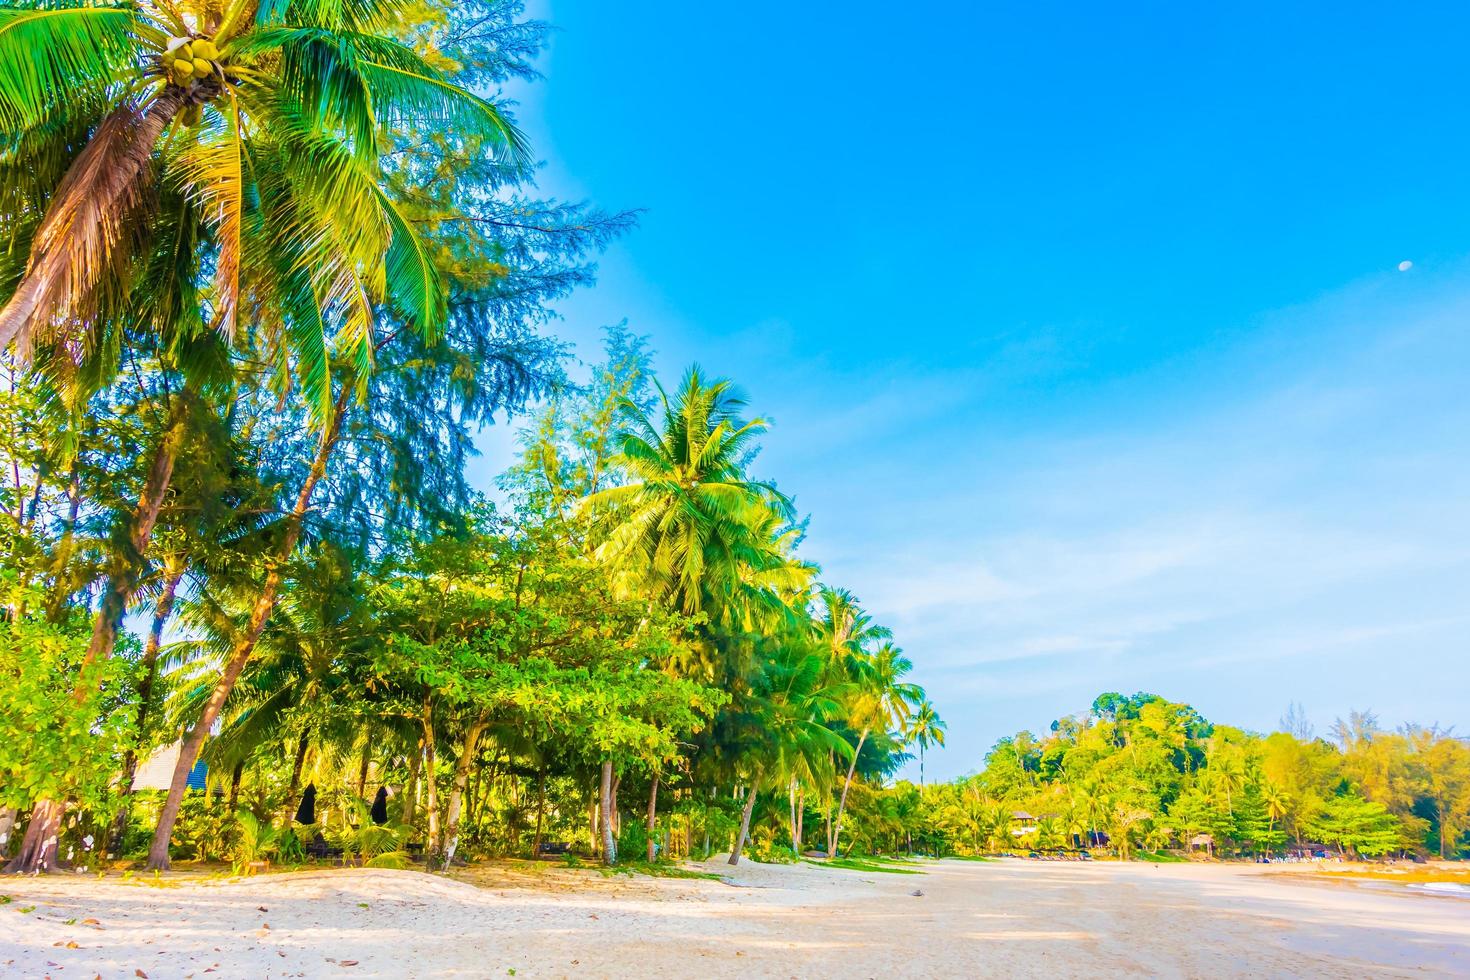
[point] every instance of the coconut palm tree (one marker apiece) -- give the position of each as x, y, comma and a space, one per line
268, 115
785, 718
925, 728
847, 629
689, 525
1278, 802
880, 699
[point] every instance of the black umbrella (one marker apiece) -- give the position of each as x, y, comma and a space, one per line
306, 813
380, 806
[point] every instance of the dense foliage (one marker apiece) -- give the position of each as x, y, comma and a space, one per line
267, 270
1142, 773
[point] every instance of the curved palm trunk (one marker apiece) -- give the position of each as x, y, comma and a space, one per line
127, 559
265, 604
745, 820
842, 804
83, 234
149, 665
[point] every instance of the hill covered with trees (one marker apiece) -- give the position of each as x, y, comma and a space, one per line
1140, 772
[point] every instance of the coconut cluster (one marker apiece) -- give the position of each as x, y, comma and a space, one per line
186, 59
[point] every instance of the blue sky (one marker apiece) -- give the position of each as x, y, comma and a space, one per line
1081, 329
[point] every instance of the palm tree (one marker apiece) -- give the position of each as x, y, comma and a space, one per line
785, 724
1278, 802
880, 699
926, 728
846, 628
689, 526
261, 124
267, 115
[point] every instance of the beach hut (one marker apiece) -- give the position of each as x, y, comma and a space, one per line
1203, 840
1022, 823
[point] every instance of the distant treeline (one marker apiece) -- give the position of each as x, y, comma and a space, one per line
1139, 772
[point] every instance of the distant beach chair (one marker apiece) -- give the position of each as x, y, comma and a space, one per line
321, 850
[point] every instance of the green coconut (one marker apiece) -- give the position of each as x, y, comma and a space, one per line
202, 67
182, 71
204, 48
185, 51
192, 114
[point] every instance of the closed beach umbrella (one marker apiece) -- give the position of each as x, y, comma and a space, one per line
380, 806
306, 813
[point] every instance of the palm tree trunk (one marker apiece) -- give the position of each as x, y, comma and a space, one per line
130, 552
605, 799
456, 792
750, 796
298, 762
65, 548
795, 823
653, 819
149, 665
800, 816
235, 785
265, 604
362, 773
411, 788
846, 785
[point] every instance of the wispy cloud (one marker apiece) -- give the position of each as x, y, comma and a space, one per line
1267, 527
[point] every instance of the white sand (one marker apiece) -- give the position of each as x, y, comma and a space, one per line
1004, 918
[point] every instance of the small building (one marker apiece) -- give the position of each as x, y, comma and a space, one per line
1022, 823
1203, 840
157, 772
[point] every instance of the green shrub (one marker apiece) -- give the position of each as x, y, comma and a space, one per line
255, 841
390, 859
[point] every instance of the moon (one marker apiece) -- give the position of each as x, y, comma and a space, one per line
1405, 265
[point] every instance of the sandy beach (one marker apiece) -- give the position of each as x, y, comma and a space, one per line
1002, 918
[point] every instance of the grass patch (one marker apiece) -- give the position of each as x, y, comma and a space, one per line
863, 864
655, 871
1160, 857
967, 857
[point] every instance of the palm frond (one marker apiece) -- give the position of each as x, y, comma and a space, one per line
49, 55
83, 238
